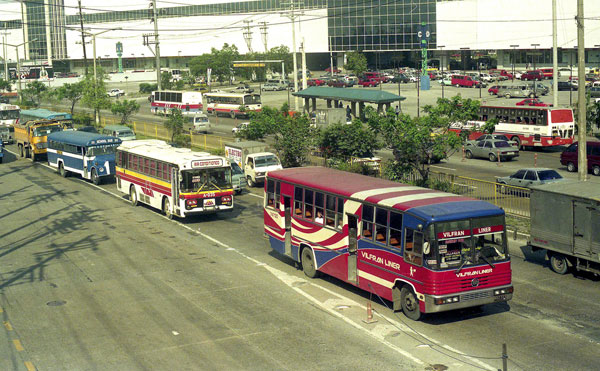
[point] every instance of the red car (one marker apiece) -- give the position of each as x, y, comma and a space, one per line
533, 75
368, 82
533, 102
315, 82
493, 90
335, 70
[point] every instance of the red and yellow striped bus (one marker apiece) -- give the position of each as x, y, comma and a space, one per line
177, 181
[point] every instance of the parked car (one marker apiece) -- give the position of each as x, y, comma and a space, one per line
594, 91
533, 102
547, 72
493, 90
491, 149
497, 137
540, 88
466, 81
570, 156
115, 93
529, 177
315, 82
566, 85
446, 81
365, 83
519, 90
270, 86
335, 70
402, 78
533, 75
502, 73
338, 83
243, 89
240, 127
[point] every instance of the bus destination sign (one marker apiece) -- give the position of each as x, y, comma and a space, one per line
207, 163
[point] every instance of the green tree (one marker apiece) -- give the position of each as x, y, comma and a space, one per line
199, 65
592, 114
174, 124
218, 60
341, 141
165, 80
94, 92
34, 92
418, 141
356, 62
124, 108
5, 85
71, 92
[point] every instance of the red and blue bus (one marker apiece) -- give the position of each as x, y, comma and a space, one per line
424, 250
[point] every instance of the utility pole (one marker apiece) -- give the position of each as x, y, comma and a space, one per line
304, 83
292, 15
581, 108
554, 56
85, 62
4, 54
248, 36
156, 43
263, 32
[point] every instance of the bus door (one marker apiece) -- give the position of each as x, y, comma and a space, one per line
582, 228
174, 191
352, 248
287, 207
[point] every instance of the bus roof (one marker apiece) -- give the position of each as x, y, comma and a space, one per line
83, 138
427, 204
182, 157
226, 94
43, 113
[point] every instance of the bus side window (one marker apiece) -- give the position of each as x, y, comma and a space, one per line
381, 221
298, 201
413, 246
270, 193
330, 211
319, 204
395, 229
367, 222
308, 204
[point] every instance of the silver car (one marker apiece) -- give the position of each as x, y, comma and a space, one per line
491, 149
529, 177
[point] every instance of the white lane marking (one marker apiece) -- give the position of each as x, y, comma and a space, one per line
291, 281
252, 194
442, 167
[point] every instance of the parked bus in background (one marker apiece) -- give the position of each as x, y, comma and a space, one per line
426, 251
526, 126
232, 104
162, 102
9, 114
175, 180
43, 114
90, 155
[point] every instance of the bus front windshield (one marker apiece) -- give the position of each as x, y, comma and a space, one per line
469, 242
252, 99
201, 180
101, 150
45, 130
9, 115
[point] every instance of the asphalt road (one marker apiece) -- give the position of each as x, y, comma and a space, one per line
90, 282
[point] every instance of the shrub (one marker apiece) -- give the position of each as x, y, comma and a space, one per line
148, 88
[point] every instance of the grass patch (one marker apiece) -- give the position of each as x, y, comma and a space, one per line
523, 225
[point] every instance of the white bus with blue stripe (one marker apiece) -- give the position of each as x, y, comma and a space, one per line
90, 155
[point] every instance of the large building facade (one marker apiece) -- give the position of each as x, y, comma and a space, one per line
506, 32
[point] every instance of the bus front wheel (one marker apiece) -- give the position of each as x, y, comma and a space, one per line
61, 170
308, 263
410, 303
166, 208
21, 151
95, 178
133, 196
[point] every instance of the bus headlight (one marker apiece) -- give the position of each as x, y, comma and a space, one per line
101, 169
189, 204
504, 291
226, 200
448, 300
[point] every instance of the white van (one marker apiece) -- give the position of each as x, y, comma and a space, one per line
197, 123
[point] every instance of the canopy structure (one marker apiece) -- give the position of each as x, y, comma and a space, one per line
338, 96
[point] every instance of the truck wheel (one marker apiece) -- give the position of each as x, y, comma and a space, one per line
251, 182
21, 151
33, 157
571, 167
410, 303
27, 152
308, 263
596, 170
558, 263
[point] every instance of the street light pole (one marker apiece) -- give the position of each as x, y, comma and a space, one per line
464, 59
534, 59
442, 68
514, 60
18, 63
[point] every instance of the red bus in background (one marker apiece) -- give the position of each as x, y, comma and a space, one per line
526, 126
426, 251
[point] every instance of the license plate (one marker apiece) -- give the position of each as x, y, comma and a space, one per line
500, 298
209, 202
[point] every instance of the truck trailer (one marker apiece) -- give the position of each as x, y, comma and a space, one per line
565, 221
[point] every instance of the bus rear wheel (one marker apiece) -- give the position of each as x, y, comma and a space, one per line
410, 303
232, 114
308, 263
95, 178
133, 196
166, 208
517, 141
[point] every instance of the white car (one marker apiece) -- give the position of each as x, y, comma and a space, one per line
115, 93
447, 81
240, 127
